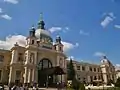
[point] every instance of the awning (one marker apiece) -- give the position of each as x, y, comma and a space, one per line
53, 71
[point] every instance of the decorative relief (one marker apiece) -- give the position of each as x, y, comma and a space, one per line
32, 58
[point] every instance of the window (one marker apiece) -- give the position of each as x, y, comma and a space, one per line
55, 47
0, 74
91, 78
1, 58
99, 77
94, 69
20, 57
78, 67
20, 54
60, 48
90, 68
95, 78
83, 68
61, 61
18, 75
45, 63
32, 41
98, 70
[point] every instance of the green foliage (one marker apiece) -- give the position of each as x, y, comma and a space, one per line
71, 71
117, 84
82, 87
75, 84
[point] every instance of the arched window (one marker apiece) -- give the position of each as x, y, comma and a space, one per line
45, 63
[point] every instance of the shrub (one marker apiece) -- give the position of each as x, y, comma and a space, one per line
75, 84
82, 87
117, 84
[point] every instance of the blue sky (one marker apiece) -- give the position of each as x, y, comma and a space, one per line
90, 27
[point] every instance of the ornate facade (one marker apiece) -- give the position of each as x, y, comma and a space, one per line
41, 60
37, 62
98, 73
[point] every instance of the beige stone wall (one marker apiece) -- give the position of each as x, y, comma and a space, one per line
85, 74
4, 65
108, 71
117, 73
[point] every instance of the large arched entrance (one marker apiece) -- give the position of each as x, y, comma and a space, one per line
43, 78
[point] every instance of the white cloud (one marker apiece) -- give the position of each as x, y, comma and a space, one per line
117, 26
108, 19
58, 29
11, 40
117, 66
1, 10
83, 33
21, 40
7, 17
69, 46
76, 44
55, 29
70, 57
99, 54
67, 28
11, 1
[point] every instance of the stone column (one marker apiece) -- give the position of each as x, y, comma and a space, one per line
25, 75
105, 78
88, 79
29, 75
11, 75
33, 75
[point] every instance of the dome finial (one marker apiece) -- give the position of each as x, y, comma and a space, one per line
58, 39
104, 57
33, 28
41, 23
41, 16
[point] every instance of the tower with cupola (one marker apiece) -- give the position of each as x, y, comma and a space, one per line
107, 70
30, 57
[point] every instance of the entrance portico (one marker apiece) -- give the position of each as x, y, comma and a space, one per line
47, 74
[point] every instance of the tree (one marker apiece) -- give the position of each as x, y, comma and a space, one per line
117, 84
71, 71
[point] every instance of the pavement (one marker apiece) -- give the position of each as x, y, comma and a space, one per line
6, 88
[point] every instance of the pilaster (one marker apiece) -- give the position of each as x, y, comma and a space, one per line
27, 53
12, 75
14, 56
26, 75
29, 75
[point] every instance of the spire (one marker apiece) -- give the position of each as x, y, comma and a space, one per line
41, 23
32, 31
